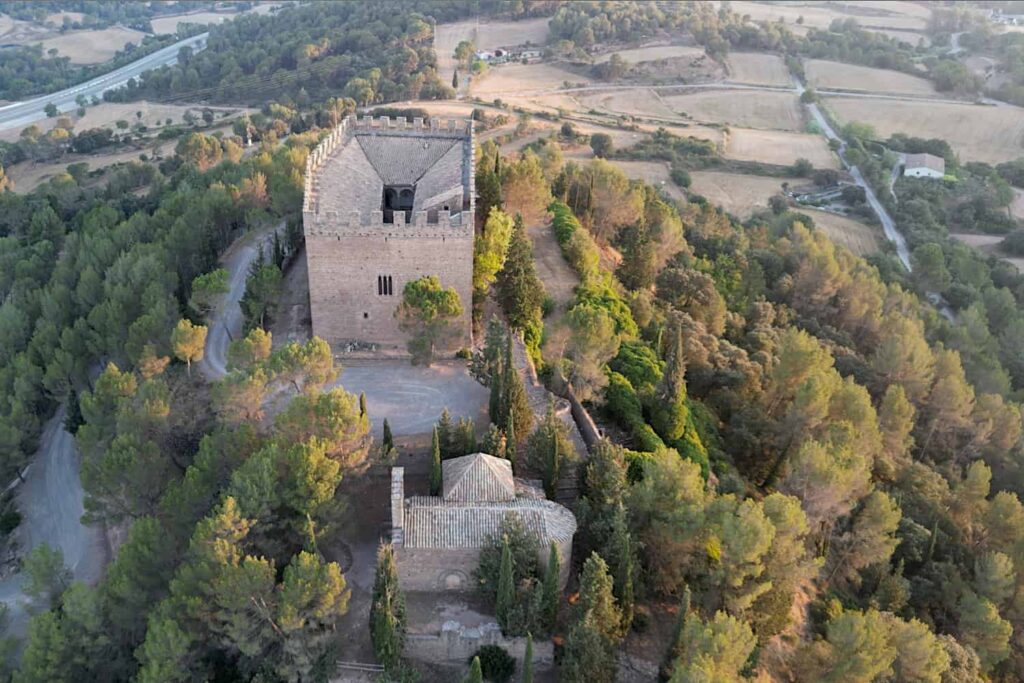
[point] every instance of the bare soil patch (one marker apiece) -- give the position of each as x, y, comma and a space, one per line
748, 109
739, 194
652, 53
512, 79
779, 147
93, 47
976, 132
758, 69
826, 74
860, 238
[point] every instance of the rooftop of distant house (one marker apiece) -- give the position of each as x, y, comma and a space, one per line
924, 160
478, 493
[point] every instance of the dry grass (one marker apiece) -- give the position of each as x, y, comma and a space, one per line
29, 175
826, 74
989, 244
487, 36
57, 18
641, 102
93, 47
169, 23
740, 195
860, 238
910, 37
653, 173
779, 147
512, 79
1017, 207
108, 113
758, 69
652, 53
886, 15
748, 109
976, 133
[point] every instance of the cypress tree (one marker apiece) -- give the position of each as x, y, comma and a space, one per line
621, 549
676, 645
670, 413
387, 441
475, 673
435, 465
387, 611
550, 589
528, 660
446, 434
362, 404
506, 587
494, 405
551, 467
510, 442
455, 79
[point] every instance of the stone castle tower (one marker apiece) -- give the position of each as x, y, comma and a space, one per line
386, 201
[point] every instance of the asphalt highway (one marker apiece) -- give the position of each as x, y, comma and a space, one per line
21, 114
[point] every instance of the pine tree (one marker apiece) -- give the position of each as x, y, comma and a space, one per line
677, 644
597, 598
551, 590
387, 611
506, 587
435, 465
475, 673
73, 420
528, 660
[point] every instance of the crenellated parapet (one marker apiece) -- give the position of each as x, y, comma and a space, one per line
354, 223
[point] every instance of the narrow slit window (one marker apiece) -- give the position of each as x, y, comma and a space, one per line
391, 289
380, 285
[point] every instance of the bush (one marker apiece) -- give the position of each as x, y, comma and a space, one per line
623, 404
496, 664
1013, 243
680, 177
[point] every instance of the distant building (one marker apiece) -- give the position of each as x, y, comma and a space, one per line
924, 166
437, 539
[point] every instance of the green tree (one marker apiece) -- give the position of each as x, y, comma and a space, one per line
262, 293
551, 590
490, 250
520, 291
430, 315
601, 144
549, 448
207, 290
677, 644
715, 650
387, 611
475, 674
387, 442
528, 660
46, 577
984, 629
670, 414
588, 656
506, 586
188, 342
435, 464
50, 110
597, 598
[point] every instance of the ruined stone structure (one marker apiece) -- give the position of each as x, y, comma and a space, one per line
437, 539
386, 201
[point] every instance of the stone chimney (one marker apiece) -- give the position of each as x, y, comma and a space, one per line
398, 506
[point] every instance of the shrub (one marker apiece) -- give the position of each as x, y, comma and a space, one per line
496, 664
680, 177
623, 405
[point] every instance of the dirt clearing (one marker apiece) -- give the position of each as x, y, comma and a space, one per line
860, 238
653, 173
976, 132
739, 194
92, 47
826, 74
748, 109
779, 147
28, 175
757, 69
513, 79
652, 53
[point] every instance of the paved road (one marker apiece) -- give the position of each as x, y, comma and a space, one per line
50, 502
226, 321
23, 113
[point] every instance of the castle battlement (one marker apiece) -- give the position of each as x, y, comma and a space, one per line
334, 223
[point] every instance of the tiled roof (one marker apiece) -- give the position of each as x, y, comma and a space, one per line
432, 522
924, 160
477, 478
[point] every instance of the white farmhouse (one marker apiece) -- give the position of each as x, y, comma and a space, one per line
924, 166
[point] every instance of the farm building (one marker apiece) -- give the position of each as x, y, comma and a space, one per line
924, 166
437, 539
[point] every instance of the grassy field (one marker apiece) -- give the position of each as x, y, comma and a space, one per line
779, 147
748, 109
739, 194
826, 74
92, 47
652, 53
654, 173
27, 176
512, 79
486, 36
977, 133
169, 23
860, 238
633, 102
757, 68
886, 15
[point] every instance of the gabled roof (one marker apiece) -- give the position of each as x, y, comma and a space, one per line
477, 478
925, 160
431, 522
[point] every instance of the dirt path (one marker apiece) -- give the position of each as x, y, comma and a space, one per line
559, 279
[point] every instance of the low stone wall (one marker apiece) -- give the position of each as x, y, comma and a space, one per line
588, 429
457, 643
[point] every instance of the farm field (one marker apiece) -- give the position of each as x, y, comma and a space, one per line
758, 69
977, 133
29, 175
169, 23
749, 109
644, 102
888, 15
487, 36
737, 193
512, 79
106, 114
825, 74
652, 53
859, 238
779, 147
653, 172
92, 47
